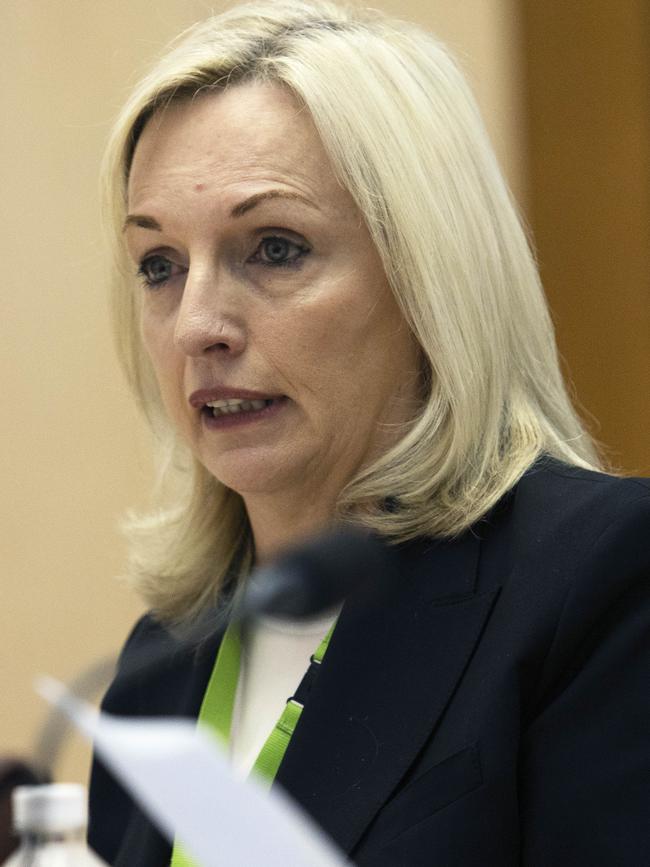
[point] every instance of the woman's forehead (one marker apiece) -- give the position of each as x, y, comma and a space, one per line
247, 134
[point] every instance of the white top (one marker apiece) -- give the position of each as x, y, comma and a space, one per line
275, 656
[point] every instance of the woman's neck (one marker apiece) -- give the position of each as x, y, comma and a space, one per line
277, 526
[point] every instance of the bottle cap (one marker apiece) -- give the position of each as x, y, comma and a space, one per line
57, 807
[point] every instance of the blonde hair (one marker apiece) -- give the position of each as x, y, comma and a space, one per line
406, 139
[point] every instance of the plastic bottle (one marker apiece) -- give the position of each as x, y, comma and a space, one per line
51, 823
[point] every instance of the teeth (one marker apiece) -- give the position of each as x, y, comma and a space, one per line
218, 404
231, 406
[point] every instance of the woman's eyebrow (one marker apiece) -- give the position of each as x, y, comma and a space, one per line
238, 210
252, 201
142, 221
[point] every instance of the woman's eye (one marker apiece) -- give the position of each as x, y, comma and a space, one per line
278, 251
156, 270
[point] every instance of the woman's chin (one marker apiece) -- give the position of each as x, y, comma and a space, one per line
251, 477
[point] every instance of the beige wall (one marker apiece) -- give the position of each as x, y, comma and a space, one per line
73, 454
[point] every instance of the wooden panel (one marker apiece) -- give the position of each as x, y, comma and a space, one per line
588, 81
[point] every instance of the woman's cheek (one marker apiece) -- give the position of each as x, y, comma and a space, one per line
157, 334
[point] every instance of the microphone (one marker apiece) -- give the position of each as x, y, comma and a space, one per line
316, 577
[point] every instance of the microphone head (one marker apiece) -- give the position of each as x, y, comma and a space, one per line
316, 577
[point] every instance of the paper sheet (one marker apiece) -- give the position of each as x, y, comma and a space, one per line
182, 778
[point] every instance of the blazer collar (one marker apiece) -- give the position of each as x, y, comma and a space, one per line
391, 667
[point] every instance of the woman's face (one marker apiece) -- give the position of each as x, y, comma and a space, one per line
280, 352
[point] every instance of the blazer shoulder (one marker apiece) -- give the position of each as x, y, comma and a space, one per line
146, 632
148, 665
585, 501
591, 538
580, 539
547, 468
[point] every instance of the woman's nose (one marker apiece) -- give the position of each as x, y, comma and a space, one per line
209, 319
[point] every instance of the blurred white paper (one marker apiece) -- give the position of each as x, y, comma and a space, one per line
182, 778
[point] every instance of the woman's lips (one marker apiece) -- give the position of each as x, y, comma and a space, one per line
226, 413
202, 396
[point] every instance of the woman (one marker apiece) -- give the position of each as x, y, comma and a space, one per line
339, 319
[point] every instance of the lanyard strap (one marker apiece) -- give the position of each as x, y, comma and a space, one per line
271, 755
219, 703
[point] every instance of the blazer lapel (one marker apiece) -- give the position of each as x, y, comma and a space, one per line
392, 665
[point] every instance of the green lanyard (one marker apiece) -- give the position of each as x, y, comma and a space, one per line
218, 706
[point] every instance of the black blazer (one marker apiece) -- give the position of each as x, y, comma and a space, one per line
494, 711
